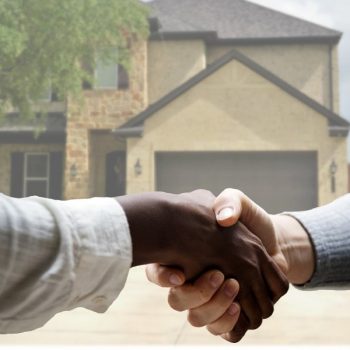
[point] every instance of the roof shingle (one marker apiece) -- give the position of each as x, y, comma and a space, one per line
234, 20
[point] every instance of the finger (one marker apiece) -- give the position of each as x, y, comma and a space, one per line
192, 295
165, 276
216, 306
238, 332
226, 322
276, 280
250, 308
262, 296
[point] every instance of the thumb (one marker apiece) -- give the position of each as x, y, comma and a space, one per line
164, 276
228, 207
233, 205
226, 216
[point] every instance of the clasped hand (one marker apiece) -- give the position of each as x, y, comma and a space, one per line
201, 245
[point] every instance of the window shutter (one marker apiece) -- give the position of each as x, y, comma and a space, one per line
123, 78
17, 174
56, 175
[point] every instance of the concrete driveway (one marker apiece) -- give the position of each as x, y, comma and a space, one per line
141, 316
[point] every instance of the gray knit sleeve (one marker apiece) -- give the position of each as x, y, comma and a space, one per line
329, 230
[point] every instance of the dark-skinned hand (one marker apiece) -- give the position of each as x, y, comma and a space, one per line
181, 231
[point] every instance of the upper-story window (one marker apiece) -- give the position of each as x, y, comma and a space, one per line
48, 95
109, 75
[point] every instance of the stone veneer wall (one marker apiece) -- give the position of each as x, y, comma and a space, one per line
5, 159
101, 110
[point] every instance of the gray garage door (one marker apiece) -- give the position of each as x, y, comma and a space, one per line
275, 180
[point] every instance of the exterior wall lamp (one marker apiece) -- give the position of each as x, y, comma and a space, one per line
138, 167
73, 172
333, 168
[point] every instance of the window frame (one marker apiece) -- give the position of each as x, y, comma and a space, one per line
115, 65
27, 178
48, 97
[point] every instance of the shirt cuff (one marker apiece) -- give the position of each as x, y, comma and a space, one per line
105, 254
329, 230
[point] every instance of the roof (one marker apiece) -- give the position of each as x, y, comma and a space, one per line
233, 20
15, 129
338, 125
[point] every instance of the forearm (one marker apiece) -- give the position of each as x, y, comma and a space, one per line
328, 228
58, 255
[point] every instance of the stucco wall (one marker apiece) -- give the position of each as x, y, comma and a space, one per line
305, 66
171, 63
236, 109
5, 159
335, 76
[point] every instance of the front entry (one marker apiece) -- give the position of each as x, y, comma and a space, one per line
116, 173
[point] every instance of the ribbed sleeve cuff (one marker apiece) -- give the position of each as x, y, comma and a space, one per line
329, 230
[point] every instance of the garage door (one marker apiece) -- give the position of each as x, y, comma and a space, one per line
276, 180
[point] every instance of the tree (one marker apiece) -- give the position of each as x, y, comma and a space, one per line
47, 43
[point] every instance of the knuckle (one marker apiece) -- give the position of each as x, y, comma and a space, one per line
285, 287
195, 319
234, 336
213, 330
269, 309
255, 323
174, 301
282, 290
204, 293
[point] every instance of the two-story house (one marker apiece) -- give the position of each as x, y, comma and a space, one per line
224, 93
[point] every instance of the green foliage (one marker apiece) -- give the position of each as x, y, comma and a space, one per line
46, 43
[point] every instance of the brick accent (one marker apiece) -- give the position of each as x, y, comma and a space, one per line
101, 110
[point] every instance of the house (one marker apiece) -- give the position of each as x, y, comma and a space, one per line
224, 93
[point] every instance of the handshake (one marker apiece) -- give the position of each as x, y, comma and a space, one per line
227, 260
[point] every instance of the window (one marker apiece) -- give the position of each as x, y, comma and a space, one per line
106, 76
46, 96
111, 75
36, 174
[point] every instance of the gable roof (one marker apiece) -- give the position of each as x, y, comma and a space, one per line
338, 125
233, 20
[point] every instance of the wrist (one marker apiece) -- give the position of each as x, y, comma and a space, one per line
148, 217
296, 247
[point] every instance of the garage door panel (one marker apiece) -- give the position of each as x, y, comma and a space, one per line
276, 180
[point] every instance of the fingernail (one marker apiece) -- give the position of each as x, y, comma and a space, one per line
225, 214
216, 279
233, 309
175, 280
230, 290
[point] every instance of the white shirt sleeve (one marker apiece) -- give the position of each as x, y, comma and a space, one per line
59, 255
